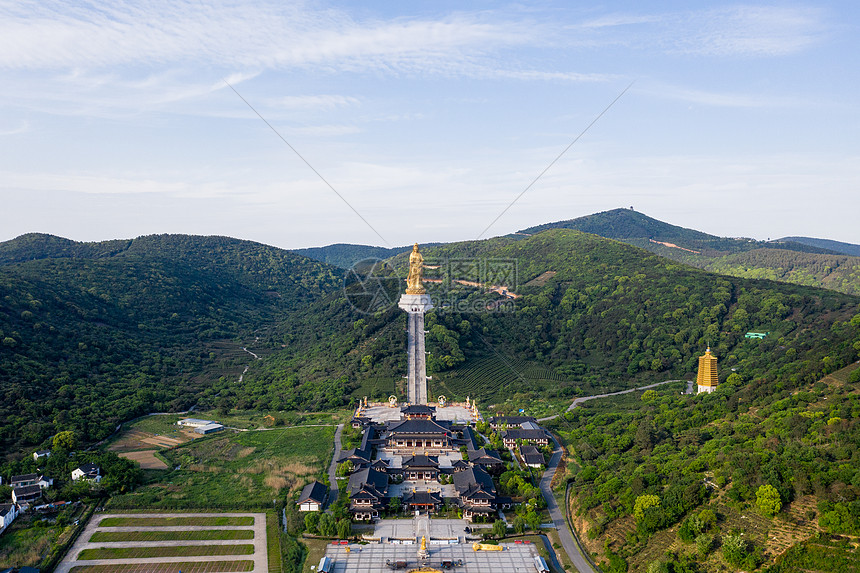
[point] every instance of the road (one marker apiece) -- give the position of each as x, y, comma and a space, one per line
332, 469
582, 399
571, 546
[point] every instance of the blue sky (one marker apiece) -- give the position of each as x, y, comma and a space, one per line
428, 118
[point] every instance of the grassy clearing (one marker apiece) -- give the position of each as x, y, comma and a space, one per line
233, 521
316, 550
24, 544
164, 551
273, 543
237, 469
206, 535
185, 567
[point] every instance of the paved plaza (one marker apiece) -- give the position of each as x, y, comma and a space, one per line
372, 558
399, 540
457, 413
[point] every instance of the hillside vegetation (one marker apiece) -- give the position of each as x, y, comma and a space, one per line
611, 317
798, 260
751, 469
93, 334
89, 342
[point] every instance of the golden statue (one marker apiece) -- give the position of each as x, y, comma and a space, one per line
416, 271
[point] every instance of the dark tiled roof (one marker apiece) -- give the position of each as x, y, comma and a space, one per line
89, 468
314, 491
420, 409
511, 420
5, 508
368, 478
484, 456
421, 461
354, 454
474, 483
418, 427
27, 491
531, 455
422, 498
525, 435
24, 478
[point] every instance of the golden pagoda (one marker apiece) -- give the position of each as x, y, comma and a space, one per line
707, 377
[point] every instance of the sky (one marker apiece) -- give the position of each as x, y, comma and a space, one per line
301, 124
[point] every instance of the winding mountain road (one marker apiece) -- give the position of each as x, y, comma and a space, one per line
577, 401
571, 545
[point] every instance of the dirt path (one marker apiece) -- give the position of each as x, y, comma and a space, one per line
582, 399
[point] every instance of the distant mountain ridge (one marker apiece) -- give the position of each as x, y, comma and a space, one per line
798, 260
835, 246
345, 255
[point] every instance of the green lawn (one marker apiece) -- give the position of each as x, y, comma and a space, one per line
185, 567
205, 535
176, 521
164, 551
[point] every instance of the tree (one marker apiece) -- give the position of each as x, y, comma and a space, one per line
312, 520
519, 525
344, 528
394, 505
768, 500
500, 528
327, 525
65, 440
704, 544
642, 503
533, 520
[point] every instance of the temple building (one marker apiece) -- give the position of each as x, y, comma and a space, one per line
707, 377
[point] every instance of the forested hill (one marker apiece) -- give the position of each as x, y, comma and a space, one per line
345, 255
811, 262
94, 333
592, 314
835, 246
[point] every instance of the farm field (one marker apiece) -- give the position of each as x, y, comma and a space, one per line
202, 542
235, 470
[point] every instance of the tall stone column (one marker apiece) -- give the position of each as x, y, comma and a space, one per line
416, 305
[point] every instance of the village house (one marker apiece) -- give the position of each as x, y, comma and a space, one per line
531, 456
313, 497
8, 513
26, 494
25, 479
367, 489
87, 471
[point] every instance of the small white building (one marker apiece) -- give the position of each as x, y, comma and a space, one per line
313, 497
194, 422
45, 482
90, 472
8, 513
41, 454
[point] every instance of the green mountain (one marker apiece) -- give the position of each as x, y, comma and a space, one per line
89, 340
591, 314
95, 333
815, 262
346, 255
835, 246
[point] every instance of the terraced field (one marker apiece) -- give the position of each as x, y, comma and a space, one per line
488, 378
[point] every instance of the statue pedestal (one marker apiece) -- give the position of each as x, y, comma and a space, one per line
415, 303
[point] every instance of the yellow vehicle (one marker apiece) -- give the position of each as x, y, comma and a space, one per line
486, 547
